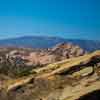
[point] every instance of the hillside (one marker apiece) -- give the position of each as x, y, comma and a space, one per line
64, 71
69, 79
47, 42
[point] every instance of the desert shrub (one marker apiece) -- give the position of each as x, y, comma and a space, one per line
15, 70
22, 70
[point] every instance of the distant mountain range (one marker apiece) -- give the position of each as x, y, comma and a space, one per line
47, 42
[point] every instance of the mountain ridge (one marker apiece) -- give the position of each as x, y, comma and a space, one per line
47, 42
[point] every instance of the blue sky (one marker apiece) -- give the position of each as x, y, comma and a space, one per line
65, 18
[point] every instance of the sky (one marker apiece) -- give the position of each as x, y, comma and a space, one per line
64, 18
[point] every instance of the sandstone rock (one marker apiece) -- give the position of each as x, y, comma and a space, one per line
46, 56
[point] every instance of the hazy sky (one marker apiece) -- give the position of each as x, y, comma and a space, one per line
65, 18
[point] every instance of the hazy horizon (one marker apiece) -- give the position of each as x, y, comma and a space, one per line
45, 36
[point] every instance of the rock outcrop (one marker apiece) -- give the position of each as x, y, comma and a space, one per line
40, 57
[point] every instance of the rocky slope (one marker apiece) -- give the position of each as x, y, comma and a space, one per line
62, 72
65, 80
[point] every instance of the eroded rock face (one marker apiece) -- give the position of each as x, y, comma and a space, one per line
67, 50
57, 53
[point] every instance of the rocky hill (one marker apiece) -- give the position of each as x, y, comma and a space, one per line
40, 57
